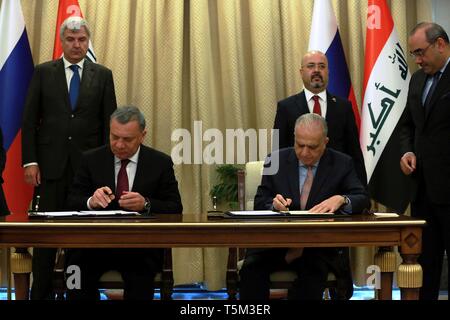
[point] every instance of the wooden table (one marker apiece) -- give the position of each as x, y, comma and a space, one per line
190, 230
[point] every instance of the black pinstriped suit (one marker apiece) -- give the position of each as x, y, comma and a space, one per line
426, 132
54, 136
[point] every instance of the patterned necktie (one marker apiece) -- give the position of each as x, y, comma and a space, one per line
122, 179
306, 188
74, 87
316, 105
431, 91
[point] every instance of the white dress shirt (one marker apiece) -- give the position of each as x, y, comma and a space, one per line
131, 171
322, 100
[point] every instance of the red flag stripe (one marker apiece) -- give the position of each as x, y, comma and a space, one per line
66, 8
377, 35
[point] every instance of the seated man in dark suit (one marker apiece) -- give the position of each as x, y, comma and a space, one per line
315, 178
3, 207
130, 176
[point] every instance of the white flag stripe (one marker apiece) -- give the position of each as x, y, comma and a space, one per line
323, 29
12, 26
386, 92
91, 54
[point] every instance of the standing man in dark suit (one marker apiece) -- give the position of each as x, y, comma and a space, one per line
425, 140
150, 186
66, 112
315, 98
315, 178
3, 206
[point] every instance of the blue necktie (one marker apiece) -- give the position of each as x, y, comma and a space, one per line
74, 87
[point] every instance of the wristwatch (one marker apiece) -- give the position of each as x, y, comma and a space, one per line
147, 205
346, 200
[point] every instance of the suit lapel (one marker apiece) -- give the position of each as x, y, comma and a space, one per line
140, 170
301, 103
60, 79
109, 169
331, 107
323, 170
86, 80
441, 87
293, 179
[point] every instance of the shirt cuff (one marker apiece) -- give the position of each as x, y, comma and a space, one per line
30, 164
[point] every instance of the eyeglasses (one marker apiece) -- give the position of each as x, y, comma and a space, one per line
419, 53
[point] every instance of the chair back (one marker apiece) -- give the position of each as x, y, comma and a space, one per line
248, 182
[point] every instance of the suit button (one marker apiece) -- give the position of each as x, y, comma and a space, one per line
72, 116
70, 138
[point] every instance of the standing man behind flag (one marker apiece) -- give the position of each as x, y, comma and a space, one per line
426, 147
325, 37
339, 113
16, 69
66, 9
385, 88
67, 111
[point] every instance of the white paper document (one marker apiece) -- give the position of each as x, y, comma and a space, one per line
385, 215
82, 213
256, 213
276, 213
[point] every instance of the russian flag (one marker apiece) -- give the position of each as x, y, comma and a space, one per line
16, 69
325, 38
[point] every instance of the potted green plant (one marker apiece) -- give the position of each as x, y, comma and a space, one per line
225, 193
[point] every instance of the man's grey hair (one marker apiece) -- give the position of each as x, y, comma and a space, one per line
74, 23
125, 114
433, 31
308, 119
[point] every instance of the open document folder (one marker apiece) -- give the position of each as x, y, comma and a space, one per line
276, 214
81, 214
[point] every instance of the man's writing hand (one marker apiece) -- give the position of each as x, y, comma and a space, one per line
280, 203
101, 198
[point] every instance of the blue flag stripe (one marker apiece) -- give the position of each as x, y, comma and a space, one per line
15, 77
339, 77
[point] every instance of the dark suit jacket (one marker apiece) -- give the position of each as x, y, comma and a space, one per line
427, 134
342, 129
3, 207
53, 134
154, 179
335, 175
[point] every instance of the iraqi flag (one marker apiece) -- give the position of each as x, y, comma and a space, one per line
325, 38
16, 69
68, 8
385, 90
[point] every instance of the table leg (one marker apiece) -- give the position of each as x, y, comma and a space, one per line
21, 268
386, 260
409, 277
